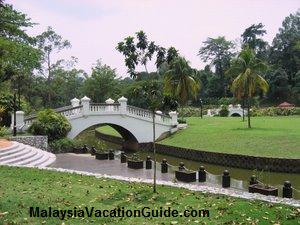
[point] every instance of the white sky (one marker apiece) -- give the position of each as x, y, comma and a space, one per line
94, 27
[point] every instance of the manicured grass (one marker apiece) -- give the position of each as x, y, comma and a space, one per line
21, 188
108, 130
269, 136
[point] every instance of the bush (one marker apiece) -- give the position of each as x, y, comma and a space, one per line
64, 145
50, 123
224, 112
226, 101
3, 131
181, 120
191, 111
274, 111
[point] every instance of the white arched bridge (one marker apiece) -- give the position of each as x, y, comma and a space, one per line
134, 124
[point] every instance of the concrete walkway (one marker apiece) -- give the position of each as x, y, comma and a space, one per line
114, 169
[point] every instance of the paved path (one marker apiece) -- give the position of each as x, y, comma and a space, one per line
88, 163
114, 169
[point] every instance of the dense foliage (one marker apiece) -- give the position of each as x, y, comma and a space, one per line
28, 68
50, 123
64, 145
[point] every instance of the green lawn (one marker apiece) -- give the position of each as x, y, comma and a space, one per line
269, 136
21, 188
108, 130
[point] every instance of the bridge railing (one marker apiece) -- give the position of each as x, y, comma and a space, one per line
104, 107
147, 114
66, 111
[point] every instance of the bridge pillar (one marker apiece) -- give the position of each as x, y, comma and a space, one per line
85, 102
174, 117
19, 120
123, 104
75, 102
109, 108
158, 115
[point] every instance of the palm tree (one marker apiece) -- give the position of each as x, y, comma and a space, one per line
179, 81
247, 68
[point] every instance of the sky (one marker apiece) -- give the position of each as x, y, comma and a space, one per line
94, 27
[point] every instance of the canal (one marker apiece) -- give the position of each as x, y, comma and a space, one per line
240, 177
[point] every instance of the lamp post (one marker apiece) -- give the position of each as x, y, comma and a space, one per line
15, 113
201, 108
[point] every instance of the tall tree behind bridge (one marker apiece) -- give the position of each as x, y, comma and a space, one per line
218, 52
50, 42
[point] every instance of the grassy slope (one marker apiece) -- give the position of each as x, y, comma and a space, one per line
270, 136
108, 130
21, 188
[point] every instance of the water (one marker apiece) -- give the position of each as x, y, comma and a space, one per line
239, 177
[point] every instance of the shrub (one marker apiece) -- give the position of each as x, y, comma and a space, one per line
181, 120
274, 111
3, 131
50, 123
64, 145
224, 112
191, 111
226, 101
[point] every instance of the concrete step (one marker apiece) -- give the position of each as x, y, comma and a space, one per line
13, 146
16, 154
40, 154
48, 162
21, 154
28, 155
12, 151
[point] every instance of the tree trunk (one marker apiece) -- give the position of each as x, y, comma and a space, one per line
249, 123
243, 107
154, 153
49, 78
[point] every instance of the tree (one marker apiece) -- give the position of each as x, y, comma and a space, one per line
247, 68
219, 52
17, 54
102, 83
251, 37
285, 50
179, 81
279, 85
48, 42
296, 88
136, 53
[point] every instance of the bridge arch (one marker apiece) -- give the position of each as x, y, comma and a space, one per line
129, 140
236, 114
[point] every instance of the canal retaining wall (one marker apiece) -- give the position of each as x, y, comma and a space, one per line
223, 159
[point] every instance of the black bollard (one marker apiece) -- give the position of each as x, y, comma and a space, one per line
253, 180
123, 157
201, 174
84, 149
226, 179
93, 150
148, 163
181, 166
111, 155
287, 191
164, 166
